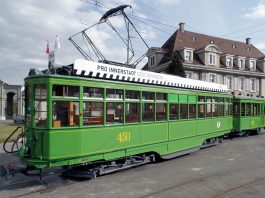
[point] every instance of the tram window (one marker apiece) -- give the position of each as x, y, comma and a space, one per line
161, 111
258, 109
132, 112
236, 109
92, 92
40, 113
65, 91
183, 111
148, 95
221, 109
243, 105
114, 113
40, 104
201, 108
248, 109
192, 111
132, 94
65, 113
201, 99
93, 113
27, 104
161, 96
148, 112
215, 107
253, 109
226, 109
115, 94
173, 111
208, 107
40, 92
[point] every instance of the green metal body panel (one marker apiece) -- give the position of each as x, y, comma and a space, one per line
75, 145
245, 122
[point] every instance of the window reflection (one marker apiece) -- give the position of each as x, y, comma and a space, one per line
65, 113
93, 113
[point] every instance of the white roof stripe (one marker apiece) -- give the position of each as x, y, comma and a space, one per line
158, 78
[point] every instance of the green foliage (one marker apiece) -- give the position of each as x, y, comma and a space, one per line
176, 67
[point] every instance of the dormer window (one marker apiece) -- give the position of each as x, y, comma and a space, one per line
241, 63
252, 65
229, 62
188, 55
212, 58
152, 61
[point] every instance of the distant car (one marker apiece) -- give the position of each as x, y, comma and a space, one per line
19, 119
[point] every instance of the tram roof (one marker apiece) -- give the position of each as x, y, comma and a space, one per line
92, 69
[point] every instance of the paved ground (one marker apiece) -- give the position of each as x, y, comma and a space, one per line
235, 168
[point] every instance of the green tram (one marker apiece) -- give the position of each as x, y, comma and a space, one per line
72, 119
248, 115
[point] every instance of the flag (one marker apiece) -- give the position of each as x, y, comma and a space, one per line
57, 44
47, 48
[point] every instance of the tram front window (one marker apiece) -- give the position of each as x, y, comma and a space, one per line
65, 113
40, 105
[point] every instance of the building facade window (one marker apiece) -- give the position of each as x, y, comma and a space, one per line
241, 84
188, 55
229, 82
212, 58
212, 78
189, 75
252, 84
229, 62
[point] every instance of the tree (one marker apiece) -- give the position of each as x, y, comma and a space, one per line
176, 67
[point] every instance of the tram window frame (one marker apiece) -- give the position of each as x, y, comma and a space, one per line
150, 96
95, 113
151, 108
65, 113
132, 95
28, 103
201, 103
111, 118
116, 95
243, 109
133, 118
164, 114
215, 105
183, 111
174, 115
192, 115
98, 93
208, 104
65, 91
40, 105
236, 109
221, 106
161, 96
248, 109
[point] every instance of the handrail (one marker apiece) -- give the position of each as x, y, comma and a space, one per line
14, 141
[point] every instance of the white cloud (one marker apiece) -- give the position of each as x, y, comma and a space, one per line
257, 12
27, 25
170, 2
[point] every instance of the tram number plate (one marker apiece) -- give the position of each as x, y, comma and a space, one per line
124, 137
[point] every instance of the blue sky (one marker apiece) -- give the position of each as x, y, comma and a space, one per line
26, 25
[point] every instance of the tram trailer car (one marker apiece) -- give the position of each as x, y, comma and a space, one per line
76, 119
248, 115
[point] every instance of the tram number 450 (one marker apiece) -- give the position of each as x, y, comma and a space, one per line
124, 137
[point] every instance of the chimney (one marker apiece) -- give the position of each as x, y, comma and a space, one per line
181, 27
248, 41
